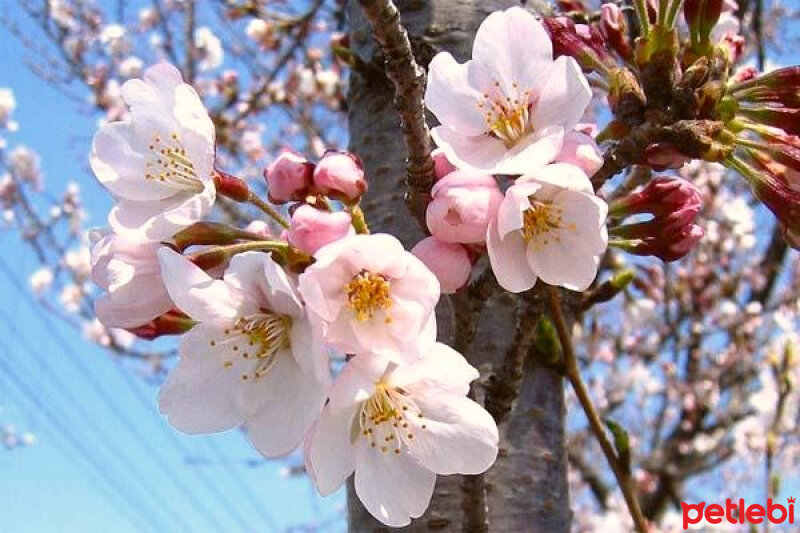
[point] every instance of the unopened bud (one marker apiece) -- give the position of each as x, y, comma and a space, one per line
625, 96
449, 262
172, 322
231, 187
340, 175
614, 27
583, 43
201, 233
288, 178
310, 229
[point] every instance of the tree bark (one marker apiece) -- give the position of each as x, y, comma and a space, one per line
527, 487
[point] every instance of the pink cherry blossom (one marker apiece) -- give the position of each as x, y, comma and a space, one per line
159, 163
288, 177
550, 226
130, 274
312, 228
441, 165
251, 361
507, 109
366, 293
397, 427
462, 204
449, 262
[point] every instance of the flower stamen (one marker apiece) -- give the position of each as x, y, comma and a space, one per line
508, 117
368, 293
540, 222
170, 166
264, 335
382, 418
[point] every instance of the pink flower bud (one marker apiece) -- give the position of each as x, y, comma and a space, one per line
580, 150
173, 322
449, 262
584, 43
288, 178
660, 197
463, 203
310, 229
612, 24
340, 175
441, 165
673, 246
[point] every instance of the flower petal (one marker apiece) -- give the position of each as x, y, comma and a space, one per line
450, 97
161, 219
564, 96
506, 256
515, 46
288, 402
393, 488
459, 436
480, 152
310, 352
201, 395
441, 367
356, 382
331, 456
196, 293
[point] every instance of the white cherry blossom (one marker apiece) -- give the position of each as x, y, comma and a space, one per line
507, 109
158, 164
550, 226
366, 293
396, 427
130, 274
251, 361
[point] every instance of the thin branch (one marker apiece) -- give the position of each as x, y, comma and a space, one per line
408, 79
624, 478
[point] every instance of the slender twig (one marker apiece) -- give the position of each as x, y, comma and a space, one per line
574, 376
268, 209
408, 79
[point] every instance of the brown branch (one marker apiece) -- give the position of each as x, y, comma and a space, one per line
408, 79
626, 483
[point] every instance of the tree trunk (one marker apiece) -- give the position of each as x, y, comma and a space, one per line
527, 487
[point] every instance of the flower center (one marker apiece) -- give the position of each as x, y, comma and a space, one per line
507, 117
383, 419
539, 221
169, 165
368, 293
257, 339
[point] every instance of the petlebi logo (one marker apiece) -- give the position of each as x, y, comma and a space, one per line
737, 512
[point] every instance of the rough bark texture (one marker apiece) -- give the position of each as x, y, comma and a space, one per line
527, 487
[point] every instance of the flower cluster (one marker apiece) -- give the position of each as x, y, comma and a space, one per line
513, 111
260, 317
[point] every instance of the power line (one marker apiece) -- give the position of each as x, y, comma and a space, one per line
61, 386
116, 487
97, 386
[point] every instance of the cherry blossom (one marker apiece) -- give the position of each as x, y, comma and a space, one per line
450, 262
462, 204
507, 109
130, 274
550, 226
252, 360
159, 163
396, 427
311, 228
366, 293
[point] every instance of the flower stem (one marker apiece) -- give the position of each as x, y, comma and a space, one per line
641, 13
574, 376
268, 209
674, 7
359, 221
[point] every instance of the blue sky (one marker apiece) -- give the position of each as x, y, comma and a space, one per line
104, 460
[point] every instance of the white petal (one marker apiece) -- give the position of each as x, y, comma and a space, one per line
441, 367
459, 437
134, 305
393, 488
196, 293
507, 257
201, 395
480, 152
356, 382
310, 352
331, 454
563, 175
161, 219
510, 212
121, 168
515, 45
564, 96
533, 151
281, 290
289, 403
450, 97
245, 274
